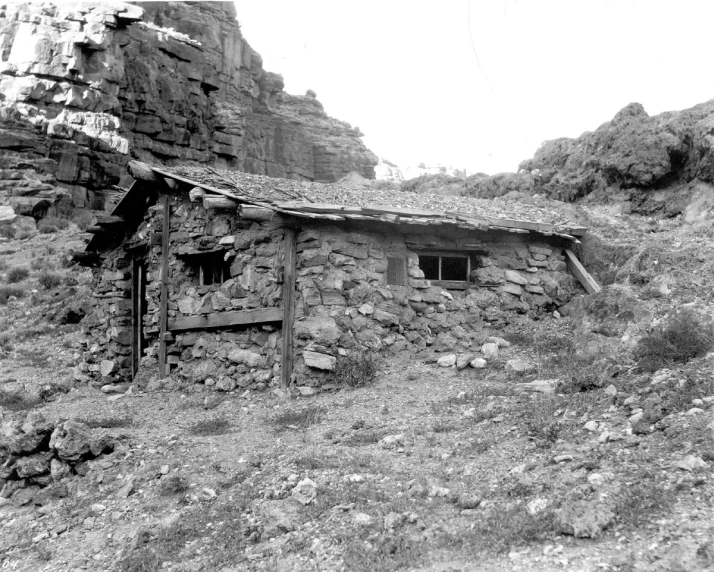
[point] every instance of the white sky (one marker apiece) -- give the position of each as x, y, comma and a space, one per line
424, 84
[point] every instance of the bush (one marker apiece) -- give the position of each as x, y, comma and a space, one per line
217, 426
358, 369
17, 274
52, 224
171, 485
49, 280
7, 231
299, 418
5, 342
684, 335
83, 219
7, 291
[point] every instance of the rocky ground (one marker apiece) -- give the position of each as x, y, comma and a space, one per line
582, 462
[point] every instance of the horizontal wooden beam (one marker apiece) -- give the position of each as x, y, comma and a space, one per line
581, 274
226, 319
249, 212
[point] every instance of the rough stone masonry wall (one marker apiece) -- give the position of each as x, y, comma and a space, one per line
343, 300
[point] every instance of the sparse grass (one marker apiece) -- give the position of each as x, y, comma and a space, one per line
36, 358
17, 274
639, 500
682, 336
49, 280
51, 224
298, 418
358, 369
49, 390
7, 291
111, 422
216, 426
172, 485
541, 424
7, 231
363, 438
443, 427
6, 342
83, 219
315, 459
17, 400
41, 263
214, 531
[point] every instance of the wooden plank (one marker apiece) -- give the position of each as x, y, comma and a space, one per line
305, 214
317, 207
581, 274
216, 190
226, 319
107, 219
520, 224
574, 230
401, 211
164, 309
290, 263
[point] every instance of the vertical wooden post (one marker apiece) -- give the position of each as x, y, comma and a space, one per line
286, 362
164, 310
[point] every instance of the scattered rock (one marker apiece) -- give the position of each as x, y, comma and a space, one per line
478, 363
319, 361
71, 440
518, 366
463, 360
447, 361
584, 519
540, 385
468, 501
393, 520
305, 491
690, 462
489, 350
362, 519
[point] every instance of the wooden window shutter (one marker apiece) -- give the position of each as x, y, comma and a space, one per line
396, 271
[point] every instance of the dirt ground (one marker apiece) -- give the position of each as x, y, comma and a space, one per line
428, 468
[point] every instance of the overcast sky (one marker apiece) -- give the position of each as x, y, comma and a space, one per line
480, 84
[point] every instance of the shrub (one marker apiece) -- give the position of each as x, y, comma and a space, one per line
17, 274
49, 280
217, 426
7, 291
5, 343
7, 231
358, 369
17, 400
172, 485
83, 219
51, 224
684, 335
299, 418
41, 263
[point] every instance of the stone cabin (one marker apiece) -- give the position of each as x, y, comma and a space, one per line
236, 280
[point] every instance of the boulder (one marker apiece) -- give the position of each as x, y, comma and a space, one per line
71, 440
584, 519
320, 329
518, 366
447, 360
247, 357
317, 360
33, 465
478, 363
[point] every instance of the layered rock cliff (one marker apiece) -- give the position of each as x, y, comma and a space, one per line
84, 87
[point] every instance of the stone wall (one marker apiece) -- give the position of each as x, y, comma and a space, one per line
87, 86
343, 301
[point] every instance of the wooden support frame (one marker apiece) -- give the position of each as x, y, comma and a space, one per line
226, 319
290, 264
581, 274
164, 309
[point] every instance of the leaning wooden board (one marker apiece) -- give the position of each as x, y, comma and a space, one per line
581, 274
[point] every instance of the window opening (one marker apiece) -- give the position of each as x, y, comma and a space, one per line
214, 270
444, 267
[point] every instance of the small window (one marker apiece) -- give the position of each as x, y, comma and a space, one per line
447, 270
213, 270
396, 271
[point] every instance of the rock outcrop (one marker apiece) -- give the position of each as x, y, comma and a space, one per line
654, 164
84, 87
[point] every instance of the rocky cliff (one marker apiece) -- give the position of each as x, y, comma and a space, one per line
652, 164
84, 87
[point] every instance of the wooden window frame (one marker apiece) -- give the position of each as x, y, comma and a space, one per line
398, 264
449, 284
206, 263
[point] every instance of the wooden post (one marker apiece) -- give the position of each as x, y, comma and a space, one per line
164, 311
286, 362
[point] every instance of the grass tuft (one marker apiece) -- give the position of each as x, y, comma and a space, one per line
358, 369
216, 426
17, 274
298, 418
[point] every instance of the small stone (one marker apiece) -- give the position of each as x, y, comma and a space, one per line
690, 462
319, 361
391, 441
518, 366
591, 426
478, 363
164, 470
489, 350
366, 309
611, 390
125, 490
98, 508
467, 501
562, 458
447, 360
306, 391
361, 519
393, 520
463, 360
694, 411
